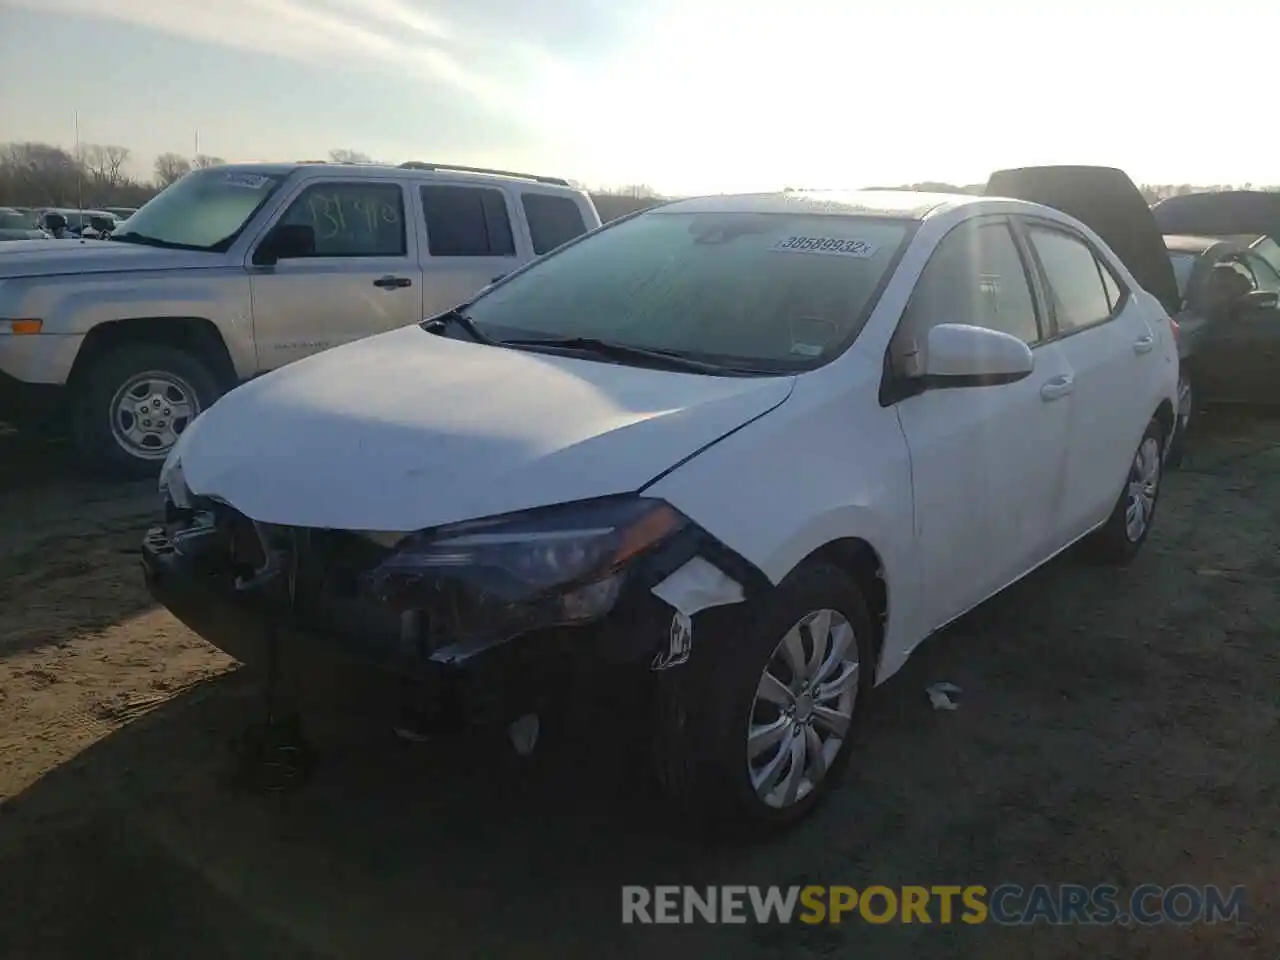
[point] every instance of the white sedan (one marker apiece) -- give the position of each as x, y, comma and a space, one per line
753, 449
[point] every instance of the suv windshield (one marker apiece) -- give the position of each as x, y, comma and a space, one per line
205, 210
769, 292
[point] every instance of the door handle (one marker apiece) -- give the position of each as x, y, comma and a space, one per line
392, 283
1144, 344
1057, 388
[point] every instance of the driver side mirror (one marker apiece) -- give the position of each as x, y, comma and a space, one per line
288, 241
958, 355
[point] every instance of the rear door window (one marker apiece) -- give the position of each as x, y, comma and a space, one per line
1074, 276
467, 222
552, 220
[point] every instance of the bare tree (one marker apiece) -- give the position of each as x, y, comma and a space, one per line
116, 157
40, 173
171, 167
343, 155
202, 161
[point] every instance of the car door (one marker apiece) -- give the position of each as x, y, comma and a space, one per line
1109, 344
1238, 357
362, 278
986, 461
469, 241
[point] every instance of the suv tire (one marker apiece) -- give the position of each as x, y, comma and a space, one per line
108, 436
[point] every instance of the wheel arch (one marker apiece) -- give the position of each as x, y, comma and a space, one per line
195, 335
1167, 418
857, 557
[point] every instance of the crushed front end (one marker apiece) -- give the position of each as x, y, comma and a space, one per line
492, 617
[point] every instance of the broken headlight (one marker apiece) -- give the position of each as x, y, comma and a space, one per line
173, 484
573, 553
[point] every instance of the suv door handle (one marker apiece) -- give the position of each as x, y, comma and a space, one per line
1144, 344
390, 282
1057, 388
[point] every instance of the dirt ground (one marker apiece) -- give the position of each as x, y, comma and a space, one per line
1114, 727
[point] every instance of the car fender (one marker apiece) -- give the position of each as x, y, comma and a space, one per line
827, 465
75, 305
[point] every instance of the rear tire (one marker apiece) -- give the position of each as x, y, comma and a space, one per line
1122, 536
133, 403
1182, 422
706, 708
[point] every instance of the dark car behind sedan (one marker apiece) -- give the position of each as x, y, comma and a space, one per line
1229, 323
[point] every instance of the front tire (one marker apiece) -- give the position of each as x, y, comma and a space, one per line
1122, 536
756, 728
133, 404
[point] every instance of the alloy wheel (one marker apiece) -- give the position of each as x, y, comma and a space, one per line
803, 708
1144, 483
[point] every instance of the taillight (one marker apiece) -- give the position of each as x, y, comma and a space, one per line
1173, 325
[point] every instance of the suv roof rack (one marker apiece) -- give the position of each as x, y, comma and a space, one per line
420, 165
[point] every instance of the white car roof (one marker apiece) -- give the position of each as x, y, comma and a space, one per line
903, 204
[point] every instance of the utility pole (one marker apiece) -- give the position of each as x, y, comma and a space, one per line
79, 166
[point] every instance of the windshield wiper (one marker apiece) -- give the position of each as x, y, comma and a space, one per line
665, 359
132, 236
458, 318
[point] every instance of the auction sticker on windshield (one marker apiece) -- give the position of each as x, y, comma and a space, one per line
252, 181
833, 246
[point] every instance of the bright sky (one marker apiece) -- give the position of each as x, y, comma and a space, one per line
686, 95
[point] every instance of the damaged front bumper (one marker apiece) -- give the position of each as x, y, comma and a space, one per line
228, 578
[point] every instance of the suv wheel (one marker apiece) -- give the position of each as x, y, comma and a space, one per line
134, 403
758, 728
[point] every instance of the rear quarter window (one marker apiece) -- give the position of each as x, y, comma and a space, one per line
552, 220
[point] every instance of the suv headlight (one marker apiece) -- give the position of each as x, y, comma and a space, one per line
571, 550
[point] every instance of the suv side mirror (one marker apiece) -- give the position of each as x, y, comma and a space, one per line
54, 221
958, 355
288, 241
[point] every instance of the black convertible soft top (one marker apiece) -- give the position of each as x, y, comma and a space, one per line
1110, 204
1229, 213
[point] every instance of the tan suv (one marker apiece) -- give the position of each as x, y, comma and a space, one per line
236, 270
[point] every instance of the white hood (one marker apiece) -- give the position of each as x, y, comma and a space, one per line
409, 430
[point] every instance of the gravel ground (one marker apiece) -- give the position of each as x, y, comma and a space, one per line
1115, 727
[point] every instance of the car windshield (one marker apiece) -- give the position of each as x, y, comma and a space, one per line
205, 210
770, 292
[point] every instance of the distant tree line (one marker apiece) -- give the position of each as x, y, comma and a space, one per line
95, 175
